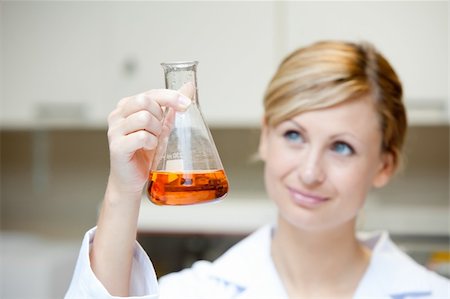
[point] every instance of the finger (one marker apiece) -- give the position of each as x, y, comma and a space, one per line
127, 145
153, 100
188, 89
142, 120
178, 100
114, 116
140, 102
169, 120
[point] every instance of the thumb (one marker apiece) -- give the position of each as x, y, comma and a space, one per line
188, 90
179, 100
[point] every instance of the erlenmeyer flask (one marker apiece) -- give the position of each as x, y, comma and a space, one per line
186, 168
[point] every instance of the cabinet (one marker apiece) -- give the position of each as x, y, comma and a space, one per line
68, 63
52, 63
412, 35
235, 54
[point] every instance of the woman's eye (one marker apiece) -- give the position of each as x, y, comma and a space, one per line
343, 148
293, 136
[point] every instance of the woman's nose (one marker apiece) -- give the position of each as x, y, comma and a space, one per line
311, 171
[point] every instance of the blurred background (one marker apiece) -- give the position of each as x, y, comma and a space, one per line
64, 65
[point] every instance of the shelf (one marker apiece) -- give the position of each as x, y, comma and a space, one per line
416, 118
229, 216
404, 219
32, 125
430, 116
244, 215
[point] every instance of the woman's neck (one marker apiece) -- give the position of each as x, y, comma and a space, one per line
312, 264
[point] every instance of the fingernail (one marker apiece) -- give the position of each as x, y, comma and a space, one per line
184, 101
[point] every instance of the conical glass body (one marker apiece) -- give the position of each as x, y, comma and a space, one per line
186, 168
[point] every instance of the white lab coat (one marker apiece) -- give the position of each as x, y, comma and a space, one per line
246, 271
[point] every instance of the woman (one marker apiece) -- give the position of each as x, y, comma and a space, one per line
333, 128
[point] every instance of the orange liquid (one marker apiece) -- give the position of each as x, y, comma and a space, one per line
179, 188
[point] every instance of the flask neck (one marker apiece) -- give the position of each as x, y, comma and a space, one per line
176, 74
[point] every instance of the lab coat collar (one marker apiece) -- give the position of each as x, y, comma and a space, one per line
249, 266
391, 273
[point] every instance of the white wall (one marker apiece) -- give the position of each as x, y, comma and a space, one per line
78, 52
77, 59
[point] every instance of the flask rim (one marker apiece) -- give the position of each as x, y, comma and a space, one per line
180, 64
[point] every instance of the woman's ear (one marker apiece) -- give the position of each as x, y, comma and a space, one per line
262, 150
386, 170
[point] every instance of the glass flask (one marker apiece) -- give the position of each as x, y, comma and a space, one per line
186, 167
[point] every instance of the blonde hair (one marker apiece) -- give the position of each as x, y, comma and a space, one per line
331, 72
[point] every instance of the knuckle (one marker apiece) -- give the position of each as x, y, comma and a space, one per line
122, 102
145, 117
110, 133
141, 101
111, 116
142, 135
160, 115
113, 130
114, 148
152, 142
149, 122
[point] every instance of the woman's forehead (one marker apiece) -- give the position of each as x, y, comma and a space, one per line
358, 115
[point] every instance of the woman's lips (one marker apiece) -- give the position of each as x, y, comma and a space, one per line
306, 199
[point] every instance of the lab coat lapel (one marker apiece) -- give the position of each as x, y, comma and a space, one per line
267, 286
249, 266
265, 282
391, 273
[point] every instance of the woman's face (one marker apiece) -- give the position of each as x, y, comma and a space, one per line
320, 165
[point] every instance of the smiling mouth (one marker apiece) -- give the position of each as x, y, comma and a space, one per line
306, 200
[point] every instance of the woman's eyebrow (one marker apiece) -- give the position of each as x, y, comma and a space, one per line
334, 136
346, 135
296, 124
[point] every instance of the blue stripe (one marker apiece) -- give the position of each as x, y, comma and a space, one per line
411, 295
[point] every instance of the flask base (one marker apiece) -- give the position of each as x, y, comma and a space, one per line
186, 188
